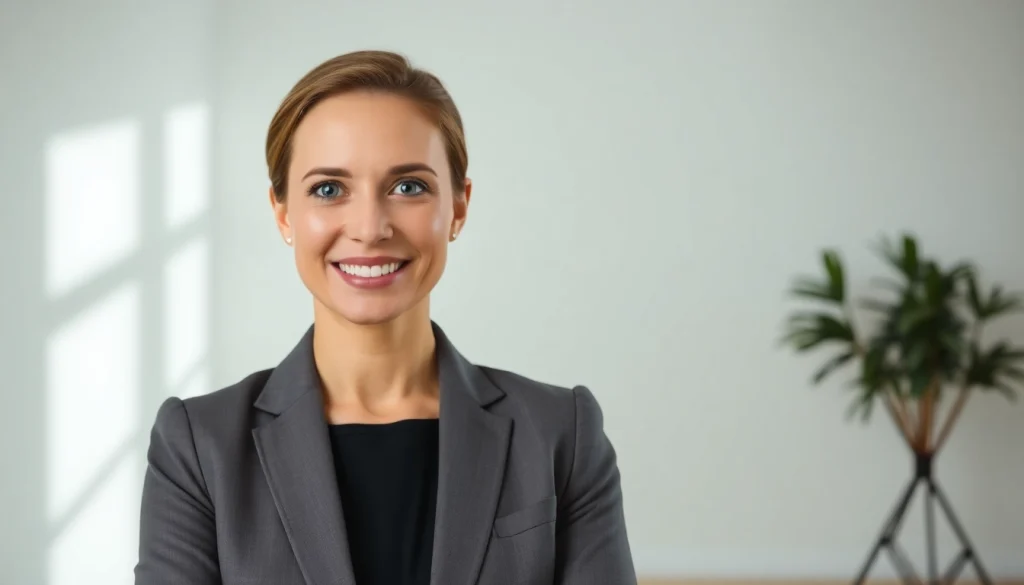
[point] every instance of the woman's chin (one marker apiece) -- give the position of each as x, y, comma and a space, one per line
368, 312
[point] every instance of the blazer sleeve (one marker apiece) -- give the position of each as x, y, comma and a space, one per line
592, 546
177, 535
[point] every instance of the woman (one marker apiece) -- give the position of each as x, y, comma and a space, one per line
375, 453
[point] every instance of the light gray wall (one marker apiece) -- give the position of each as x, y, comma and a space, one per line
101, 107
648, 179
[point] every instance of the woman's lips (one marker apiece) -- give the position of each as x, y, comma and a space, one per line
370, 273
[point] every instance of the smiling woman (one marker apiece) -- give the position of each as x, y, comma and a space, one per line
373, 174
375, 453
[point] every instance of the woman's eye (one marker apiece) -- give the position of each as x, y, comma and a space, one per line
409, 188
326, 190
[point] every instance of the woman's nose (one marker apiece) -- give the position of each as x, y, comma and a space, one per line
367, 220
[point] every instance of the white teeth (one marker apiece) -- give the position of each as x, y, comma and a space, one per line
370, 271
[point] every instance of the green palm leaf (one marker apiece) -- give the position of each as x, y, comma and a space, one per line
925, 336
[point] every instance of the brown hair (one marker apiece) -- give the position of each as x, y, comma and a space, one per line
368, 71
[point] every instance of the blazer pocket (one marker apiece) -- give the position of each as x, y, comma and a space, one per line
532, 516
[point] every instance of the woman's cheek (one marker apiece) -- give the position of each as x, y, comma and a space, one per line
441, 224
317, 225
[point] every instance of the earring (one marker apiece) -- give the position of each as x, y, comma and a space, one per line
288, 240
454, 235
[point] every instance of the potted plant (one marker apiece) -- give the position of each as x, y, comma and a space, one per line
921, 361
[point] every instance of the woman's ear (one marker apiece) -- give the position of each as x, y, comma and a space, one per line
460, 202
280, 209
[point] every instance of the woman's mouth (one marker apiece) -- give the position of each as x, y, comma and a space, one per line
370, 273
375, 271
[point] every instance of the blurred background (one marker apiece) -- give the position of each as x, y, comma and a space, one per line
649, 176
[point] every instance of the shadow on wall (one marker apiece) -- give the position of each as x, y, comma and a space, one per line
107, 260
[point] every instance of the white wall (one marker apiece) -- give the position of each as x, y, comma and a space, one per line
102, 236
648, 179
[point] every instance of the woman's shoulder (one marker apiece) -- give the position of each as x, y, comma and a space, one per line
567, 420
552, 405
525, 388
238, 396
226, 410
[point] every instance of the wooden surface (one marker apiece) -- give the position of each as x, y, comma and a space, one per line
707, 581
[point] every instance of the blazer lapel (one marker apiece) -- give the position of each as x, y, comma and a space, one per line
295, 452
473, 450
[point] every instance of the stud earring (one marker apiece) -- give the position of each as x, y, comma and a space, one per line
454, 235
288, 241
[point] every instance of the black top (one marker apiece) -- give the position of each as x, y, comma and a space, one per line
387, 476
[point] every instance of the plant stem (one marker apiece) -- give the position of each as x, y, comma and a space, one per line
961, 399
903, 414
926, 409
954, 414
908, 417
901, 422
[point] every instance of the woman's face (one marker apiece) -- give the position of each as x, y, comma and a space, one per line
370, 206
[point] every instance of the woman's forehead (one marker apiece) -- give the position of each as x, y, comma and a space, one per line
366, 130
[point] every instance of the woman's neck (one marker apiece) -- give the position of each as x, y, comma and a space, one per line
376, 373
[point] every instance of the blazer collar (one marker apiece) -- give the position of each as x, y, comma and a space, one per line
295, 453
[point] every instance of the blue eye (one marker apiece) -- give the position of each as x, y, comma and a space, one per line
328, 190
410, 188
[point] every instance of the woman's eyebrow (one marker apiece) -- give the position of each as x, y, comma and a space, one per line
345, 173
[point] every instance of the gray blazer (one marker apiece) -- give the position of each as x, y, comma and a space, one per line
241, 489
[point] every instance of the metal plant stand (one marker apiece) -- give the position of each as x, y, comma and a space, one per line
887, 540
